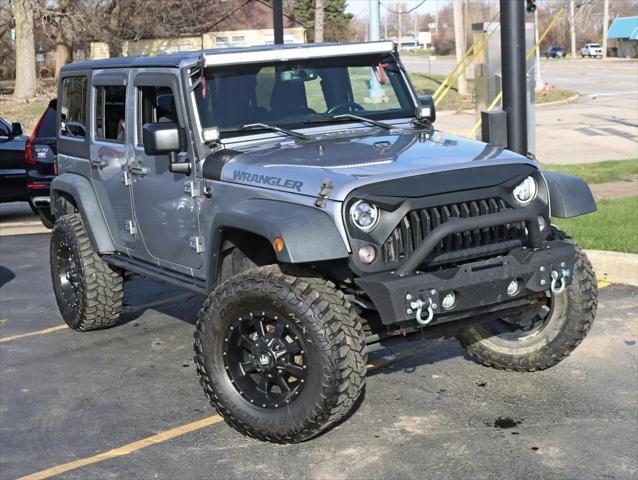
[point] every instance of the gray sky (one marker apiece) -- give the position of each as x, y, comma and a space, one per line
360, 7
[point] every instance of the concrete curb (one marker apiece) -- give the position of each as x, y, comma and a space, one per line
538, 105
615, 267
559, 102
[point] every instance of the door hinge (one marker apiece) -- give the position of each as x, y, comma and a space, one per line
131, 228
197, 244
126, 178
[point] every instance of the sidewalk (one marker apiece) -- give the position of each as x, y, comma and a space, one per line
591, 129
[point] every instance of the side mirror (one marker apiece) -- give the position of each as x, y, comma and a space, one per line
426, 110
16, 129
165, 139
161, 138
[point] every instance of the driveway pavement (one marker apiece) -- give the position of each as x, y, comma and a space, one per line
125, 402
601, 125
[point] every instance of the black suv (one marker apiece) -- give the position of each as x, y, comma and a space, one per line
12, 174
40, 159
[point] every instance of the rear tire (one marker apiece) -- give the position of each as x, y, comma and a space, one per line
89, 292
570, 317
280, 357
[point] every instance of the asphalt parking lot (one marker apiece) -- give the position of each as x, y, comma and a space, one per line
126, 403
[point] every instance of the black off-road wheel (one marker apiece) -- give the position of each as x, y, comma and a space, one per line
88, 290
280, 357
550, 331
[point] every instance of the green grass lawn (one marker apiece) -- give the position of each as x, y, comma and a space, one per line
613, 227
599, 172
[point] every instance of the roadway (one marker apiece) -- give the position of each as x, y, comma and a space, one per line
602, 124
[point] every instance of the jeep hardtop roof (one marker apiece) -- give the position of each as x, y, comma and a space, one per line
224, 56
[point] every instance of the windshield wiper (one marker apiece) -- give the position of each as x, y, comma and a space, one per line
274, 128
349, 116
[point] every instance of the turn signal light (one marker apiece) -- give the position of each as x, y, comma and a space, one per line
278, 244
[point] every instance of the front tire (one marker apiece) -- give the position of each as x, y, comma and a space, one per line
89, 292
281, 358
568, 318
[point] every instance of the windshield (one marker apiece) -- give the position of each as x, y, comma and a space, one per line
289, 94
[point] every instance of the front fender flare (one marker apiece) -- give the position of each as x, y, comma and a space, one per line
309, 234
569, 196
82, 192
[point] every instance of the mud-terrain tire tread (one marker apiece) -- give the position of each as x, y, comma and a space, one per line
101, 288
582, 304
343, 330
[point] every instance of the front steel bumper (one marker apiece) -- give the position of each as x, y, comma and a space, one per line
475, 285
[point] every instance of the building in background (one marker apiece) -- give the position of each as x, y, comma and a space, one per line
248, 24
624, 31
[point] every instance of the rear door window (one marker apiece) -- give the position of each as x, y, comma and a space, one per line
110, 113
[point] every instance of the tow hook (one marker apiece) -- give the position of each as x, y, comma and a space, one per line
558, 281
418, 305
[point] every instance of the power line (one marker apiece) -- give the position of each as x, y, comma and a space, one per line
400, 12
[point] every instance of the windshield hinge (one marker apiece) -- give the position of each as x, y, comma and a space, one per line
324, 193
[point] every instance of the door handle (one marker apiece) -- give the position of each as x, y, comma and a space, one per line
98, 163
138, 169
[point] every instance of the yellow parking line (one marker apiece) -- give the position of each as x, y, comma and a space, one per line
125, 450
31, 334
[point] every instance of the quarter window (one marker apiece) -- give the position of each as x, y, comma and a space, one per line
110, 113
73, 110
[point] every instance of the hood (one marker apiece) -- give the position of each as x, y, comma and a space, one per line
344, 162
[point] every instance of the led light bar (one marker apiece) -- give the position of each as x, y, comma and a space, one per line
296, 53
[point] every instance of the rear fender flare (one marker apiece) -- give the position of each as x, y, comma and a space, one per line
82, 192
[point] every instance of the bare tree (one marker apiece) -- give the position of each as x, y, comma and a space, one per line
319, 12
25, 49
459, 40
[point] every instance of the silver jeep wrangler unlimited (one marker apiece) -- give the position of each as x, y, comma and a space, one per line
304, 190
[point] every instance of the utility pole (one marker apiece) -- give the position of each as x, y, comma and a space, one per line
539, 80
572, 27
278, 21
605, 26
376, 94
416, 29
514, 84
399, 33
318, 21
385, 26
373, 25
459, 42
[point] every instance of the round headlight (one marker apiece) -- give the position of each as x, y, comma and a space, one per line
525, 191
364, 215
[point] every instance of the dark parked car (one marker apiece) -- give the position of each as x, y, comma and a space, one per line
12, 170
40, 159
555, 52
